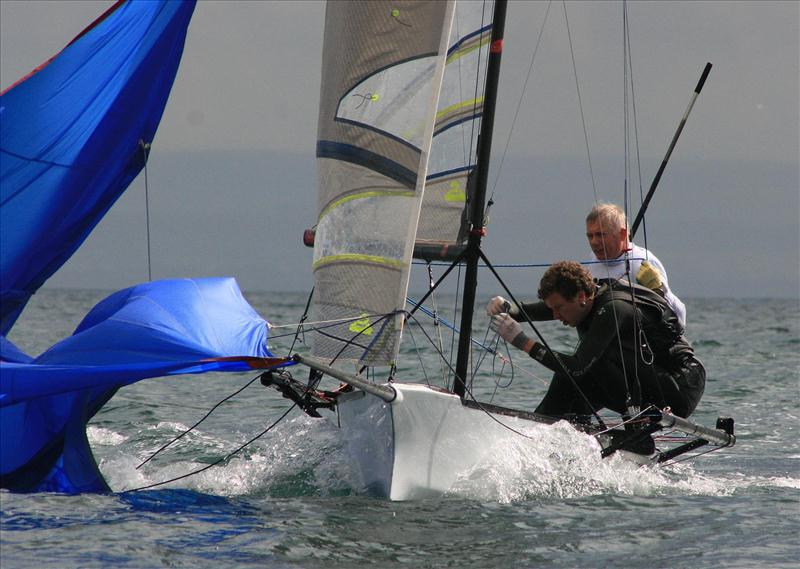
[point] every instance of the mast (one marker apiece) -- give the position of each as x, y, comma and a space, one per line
476, 213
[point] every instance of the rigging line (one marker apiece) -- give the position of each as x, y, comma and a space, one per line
302, 320
494, 417
544, 343
425, 333
340, 339
352, 340
498, 375
580, 101
619, 336
473, 123
625, 110
445, 360
455, 263
447, 324
452, 370
625, 128
634, 419
145, 146
464, 150
435, 317
519, 103
217, 462
327, 323
419, 353
477, 365
483, 345
692, 457
206, 416
625, 113
635, 128
524, 266
456, 303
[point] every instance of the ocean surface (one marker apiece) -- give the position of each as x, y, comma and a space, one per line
292, 499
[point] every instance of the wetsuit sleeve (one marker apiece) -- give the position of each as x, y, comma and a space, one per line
603, 329
537, 311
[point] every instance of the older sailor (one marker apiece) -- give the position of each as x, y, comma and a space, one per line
630, 341
607, 232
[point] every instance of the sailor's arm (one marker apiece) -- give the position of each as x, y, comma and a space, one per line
536, 311
603, 330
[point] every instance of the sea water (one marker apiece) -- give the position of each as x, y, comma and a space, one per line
292, 499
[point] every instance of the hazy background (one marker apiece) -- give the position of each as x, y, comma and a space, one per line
232, 172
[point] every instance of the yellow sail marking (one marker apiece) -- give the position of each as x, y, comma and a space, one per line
455, 193
365, 195
362, 325
467, 48
458, 107
357, 257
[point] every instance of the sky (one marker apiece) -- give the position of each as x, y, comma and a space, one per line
231, 179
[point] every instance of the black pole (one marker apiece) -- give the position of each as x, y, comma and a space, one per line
477, 200
643, 209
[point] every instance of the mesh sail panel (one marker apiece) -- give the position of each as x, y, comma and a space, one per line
453, 152
381, 77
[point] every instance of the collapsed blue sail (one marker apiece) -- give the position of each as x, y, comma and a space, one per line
150, 330
73, 136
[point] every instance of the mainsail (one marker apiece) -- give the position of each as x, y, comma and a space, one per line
379, 96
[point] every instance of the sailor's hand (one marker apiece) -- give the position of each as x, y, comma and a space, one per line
499, 304
510, 330
648, 276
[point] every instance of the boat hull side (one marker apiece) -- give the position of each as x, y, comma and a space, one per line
433, 440
366, 423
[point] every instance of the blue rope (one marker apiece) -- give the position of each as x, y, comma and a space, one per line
448, 325
526, 265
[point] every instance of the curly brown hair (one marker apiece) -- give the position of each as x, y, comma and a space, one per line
567, 278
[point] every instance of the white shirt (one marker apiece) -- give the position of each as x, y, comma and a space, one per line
615, 269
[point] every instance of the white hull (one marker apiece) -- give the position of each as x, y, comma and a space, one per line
417, 445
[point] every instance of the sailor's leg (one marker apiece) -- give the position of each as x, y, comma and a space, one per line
563, 399
683, 387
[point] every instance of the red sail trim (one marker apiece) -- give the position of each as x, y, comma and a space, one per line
87, 29
254, 362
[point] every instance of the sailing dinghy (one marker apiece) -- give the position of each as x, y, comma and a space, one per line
404, 136
405, 123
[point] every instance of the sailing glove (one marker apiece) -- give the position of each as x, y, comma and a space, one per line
498, 305
509, 329
648, 276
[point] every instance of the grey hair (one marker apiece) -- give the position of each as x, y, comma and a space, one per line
609, 215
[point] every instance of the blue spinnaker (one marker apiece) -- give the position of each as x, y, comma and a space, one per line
75, 133
149, 330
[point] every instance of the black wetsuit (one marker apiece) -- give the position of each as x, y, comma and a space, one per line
620, 349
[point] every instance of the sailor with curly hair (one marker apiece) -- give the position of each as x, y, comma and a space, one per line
631, 345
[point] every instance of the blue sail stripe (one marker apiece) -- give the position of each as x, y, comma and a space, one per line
368, 159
